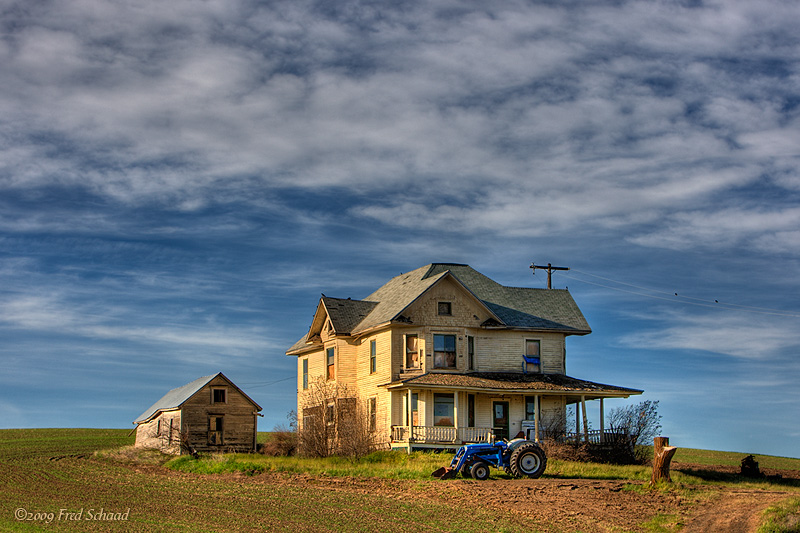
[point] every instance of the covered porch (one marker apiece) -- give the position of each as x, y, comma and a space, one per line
447, 410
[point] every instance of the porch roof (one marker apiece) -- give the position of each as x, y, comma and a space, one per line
505, 382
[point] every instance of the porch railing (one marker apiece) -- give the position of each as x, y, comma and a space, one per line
600, 437
441, 434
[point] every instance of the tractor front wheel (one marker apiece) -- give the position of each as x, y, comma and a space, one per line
527, 460
480, 471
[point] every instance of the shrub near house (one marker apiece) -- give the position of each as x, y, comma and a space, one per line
444, 355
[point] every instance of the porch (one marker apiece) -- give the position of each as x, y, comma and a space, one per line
435, 437
438, 436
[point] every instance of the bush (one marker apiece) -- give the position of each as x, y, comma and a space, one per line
282, 443
335, 422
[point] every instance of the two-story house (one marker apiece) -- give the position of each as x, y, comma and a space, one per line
444, 355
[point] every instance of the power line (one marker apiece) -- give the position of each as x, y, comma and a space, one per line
257, 384
688, 300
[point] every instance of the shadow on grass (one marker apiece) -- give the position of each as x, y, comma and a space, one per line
729, 477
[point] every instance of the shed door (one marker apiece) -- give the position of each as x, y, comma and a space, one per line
215, 430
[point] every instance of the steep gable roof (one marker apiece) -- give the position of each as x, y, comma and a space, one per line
346, 314
400, 292
511, 307
521, 307
177, 397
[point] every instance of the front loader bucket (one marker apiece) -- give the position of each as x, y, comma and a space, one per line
445, 472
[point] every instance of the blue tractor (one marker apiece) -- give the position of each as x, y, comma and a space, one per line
518, 457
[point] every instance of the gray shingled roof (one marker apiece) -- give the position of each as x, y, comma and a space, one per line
501, 381
514, 307
521, 307
347, 314
177, 397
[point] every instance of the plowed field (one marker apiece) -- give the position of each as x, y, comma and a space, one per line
52, 482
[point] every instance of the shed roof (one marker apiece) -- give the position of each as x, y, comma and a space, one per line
175, 398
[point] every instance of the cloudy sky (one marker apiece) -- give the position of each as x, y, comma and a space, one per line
179, 181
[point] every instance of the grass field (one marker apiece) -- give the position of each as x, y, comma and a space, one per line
51, 480
45, 471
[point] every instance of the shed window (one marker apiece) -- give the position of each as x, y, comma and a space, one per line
219, 396
444, 351
445, 308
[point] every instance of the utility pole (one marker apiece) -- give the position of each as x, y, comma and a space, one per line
549, 269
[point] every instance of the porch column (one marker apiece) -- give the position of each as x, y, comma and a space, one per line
585, 419
456, 396
577, 422
536, 418
602, 422
409, 419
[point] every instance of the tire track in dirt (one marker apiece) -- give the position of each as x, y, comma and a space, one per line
732, 511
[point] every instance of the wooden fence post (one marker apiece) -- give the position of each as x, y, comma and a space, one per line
662, 455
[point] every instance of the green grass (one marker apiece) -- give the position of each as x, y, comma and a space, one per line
45, 470
419, 465
782, 518
384, 464
710, 457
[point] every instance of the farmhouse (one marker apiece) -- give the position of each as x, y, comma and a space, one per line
209, 414
443, 355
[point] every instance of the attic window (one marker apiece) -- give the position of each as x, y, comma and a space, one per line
445, 308
219, 396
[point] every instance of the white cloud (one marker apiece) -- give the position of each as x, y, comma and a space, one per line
745, 335
603, 116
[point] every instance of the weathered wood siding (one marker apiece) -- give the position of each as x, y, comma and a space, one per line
162, 433
239, 419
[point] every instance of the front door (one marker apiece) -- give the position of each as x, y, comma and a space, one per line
500, 425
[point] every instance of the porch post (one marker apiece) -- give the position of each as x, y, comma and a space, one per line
409, 419
602, 422
585, 419
536, 417
456, 396
577, 422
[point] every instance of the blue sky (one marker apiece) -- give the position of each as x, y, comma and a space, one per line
180, 181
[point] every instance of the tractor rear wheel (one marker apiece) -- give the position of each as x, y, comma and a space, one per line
527, 460
480, 471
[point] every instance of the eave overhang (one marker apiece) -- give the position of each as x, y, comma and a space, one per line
513, 383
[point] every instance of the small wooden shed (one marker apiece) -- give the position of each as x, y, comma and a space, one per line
210, 414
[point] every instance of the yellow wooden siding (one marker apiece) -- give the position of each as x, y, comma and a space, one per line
501, 351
